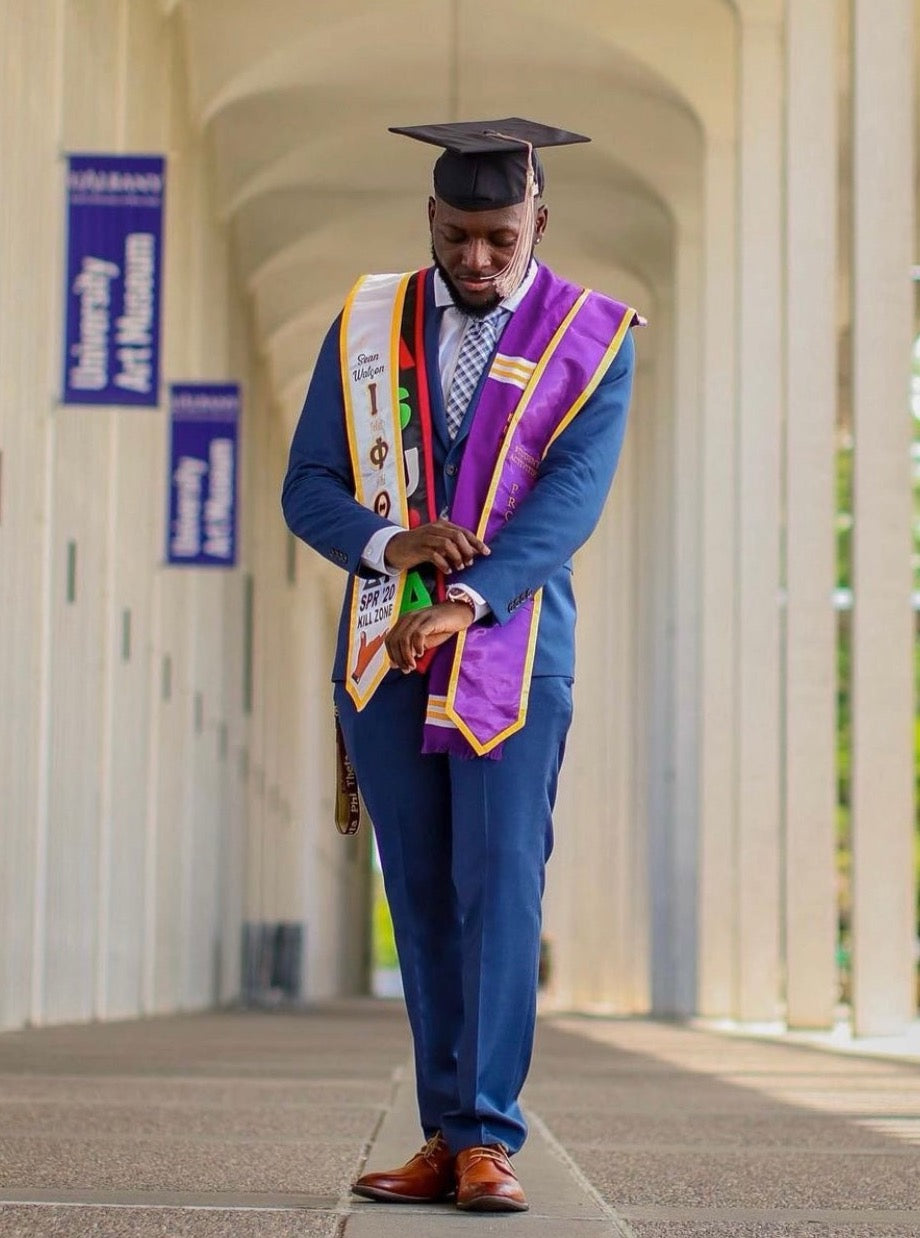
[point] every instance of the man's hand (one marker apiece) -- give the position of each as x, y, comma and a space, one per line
448, 546
414, 634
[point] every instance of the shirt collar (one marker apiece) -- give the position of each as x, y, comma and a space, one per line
442, 295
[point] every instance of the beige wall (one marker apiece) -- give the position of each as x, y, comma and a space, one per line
138, 828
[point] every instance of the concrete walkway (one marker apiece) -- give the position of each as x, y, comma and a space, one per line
251, 1124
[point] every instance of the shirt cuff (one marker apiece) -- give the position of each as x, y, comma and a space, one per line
482, 607
374, 555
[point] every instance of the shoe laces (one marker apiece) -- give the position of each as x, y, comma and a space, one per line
490, 1152
432, 1149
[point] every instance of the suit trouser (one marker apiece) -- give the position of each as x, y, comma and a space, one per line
463, 846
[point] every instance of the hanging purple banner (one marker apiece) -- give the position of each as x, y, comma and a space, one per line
114, 261
204, 443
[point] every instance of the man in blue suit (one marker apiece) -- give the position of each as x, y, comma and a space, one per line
458, 759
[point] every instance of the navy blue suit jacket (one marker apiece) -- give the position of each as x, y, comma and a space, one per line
533, 550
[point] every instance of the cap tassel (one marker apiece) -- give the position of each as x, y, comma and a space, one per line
509, 280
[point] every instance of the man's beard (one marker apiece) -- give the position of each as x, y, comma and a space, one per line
479, 310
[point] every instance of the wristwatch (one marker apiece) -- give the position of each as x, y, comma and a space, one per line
457, 593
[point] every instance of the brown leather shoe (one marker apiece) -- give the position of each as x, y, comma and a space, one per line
486, 1182
427, 1176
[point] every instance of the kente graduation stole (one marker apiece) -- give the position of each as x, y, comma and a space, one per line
555, 350
388, 419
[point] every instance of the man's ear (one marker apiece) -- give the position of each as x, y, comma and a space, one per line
539, 223
431, 209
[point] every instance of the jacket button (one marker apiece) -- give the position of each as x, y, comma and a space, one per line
451, 470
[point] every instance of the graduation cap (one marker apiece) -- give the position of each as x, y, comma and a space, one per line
485, 162
490, 164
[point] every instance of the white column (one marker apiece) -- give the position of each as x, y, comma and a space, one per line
634, 924
715, 916
660, 683
642, 451
686, 620
591, 826
884, 928
811, 397
607, 867
760, 398
314, 806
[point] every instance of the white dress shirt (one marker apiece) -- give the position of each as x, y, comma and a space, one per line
454, 324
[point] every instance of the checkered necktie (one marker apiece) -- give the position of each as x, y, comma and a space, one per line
478, 342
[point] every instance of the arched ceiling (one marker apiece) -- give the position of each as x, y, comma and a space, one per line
295, 100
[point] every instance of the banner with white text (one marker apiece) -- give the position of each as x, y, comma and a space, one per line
114, 264
204, 445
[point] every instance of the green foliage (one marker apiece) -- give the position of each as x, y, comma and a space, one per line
384, 945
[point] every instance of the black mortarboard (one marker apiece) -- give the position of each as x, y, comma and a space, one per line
484, 164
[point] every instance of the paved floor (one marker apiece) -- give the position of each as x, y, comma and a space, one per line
252, 1124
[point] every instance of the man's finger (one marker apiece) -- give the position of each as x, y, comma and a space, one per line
475, 543
394, 644
452, 553
464, 547
404, 659
408, 640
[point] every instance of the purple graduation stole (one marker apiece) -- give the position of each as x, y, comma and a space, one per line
552, 355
